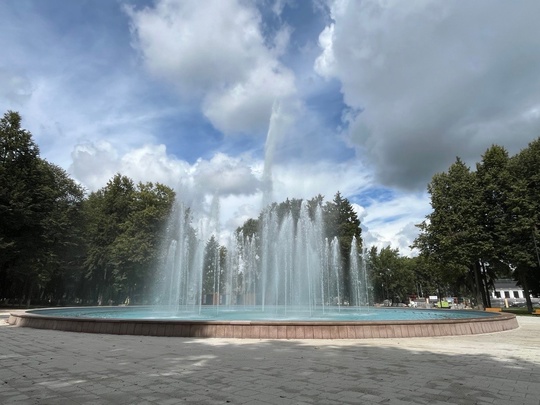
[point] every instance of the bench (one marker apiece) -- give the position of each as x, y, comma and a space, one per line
536, 311
493, 309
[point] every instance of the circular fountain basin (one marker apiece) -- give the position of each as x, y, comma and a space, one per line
273, 323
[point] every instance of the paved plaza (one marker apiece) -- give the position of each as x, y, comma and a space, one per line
49, 367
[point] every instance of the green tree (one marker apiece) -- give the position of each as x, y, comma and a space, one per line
19, 214
124, 227
39, 212
136, 249
63, 241
341, 221
249, 228
212, 269
106, 212
392, 276
452, 234
494, 182
523, 218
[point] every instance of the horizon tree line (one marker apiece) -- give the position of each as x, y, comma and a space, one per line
61, 245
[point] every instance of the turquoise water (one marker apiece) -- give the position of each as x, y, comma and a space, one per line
210, 313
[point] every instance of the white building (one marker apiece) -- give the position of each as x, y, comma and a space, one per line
506, 288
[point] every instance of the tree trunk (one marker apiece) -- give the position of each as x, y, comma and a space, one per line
480, 295
525, 285
485, 284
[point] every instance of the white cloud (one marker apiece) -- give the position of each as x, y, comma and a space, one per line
306, 180
95, 163
215, 50
225, 176
245, 107
237, 181
431, 80
392, 222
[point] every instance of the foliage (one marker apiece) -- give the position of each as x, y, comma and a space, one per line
485, 223
213, 268
40, 219
392, 276
341, 221
124, 223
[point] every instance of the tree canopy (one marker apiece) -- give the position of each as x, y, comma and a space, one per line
485, 223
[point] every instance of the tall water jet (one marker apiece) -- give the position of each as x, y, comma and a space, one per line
286, 266
336, 272
358, 274
280, 120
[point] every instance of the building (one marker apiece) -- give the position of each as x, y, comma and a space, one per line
507, 288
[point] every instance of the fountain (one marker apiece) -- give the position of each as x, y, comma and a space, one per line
285, 268
285, 281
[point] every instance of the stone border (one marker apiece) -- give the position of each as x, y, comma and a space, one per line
270, 329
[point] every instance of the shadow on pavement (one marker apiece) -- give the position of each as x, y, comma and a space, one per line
42, 366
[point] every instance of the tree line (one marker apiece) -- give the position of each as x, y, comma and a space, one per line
485, 223
59, 245
62, 245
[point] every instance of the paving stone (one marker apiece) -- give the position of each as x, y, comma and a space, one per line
48, 367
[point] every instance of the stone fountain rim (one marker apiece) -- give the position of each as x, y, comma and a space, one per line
268, 329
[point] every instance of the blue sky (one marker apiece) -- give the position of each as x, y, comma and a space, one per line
369, 97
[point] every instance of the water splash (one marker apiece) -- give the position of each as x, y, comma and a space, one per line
288, 266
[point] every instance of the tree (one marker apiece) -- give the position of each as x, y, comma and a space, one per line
485, 223
341, 221
392, 276
249, 228
523, 218
63, 242
106, 211
212, 269
452, 233
493, 182
39, 214
124, 227
19, 221
136, 249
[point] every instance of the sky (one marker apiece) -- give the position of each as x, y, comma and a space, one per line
370, 98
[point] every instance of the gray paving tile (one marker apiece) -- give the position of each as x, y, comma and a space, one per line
48, 367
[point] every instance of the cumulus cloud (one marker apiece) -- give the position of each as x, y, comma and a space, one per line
237, 181
225, 176
215, 50
391, 222
428, 80
94, 163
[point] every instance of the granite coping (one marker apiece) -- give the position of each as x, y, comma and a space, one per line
274, 329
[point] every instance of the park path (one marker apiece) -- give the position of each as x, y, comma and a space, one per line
50, 367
